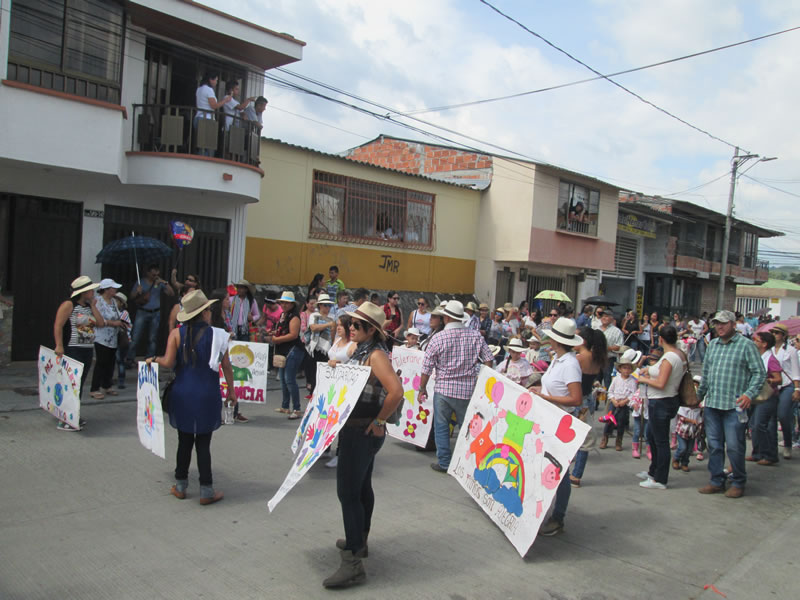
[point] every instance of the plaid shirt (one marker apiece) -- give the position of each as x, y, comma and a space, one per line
456, 353
730, 370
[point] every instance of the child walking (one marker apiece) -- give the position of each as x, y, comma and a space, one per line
622, 389
687, 427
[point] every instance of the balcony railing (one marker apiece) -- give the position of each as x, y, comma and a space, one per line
175, 129
763, 265
692, 249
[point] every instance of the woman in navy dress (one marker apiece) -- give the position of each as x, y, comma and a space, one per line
195, 403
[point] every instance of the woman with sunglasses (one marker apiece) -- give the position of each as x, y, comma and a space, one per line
360, 439
420, 318
394, 317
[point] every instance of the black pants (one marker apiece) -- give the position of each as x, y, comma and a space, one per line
310, 367
354, 482
662, 411
622, 415
202, 445
103, 374
83, 355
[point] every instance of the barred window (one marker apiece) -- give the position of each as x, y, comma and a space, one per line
578, 208
350, 209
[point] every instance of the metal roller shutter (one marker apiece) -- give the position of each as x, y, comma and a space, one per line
625, 257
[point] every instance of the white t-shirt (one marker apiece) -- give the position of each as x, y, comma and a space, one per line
562, 371
697, 327
422, 321
204, 92
745, 329
674, 380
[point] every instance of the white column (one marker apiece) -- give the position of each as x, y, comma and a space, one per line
237, 243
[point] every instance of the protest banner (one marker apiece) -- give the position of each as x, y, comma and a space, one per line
512, 453
250, 362
416, 418
149, 416
60, 386
337, 391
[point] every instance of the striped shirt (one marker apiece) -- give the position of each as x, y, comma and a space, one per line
456, 353
730, 370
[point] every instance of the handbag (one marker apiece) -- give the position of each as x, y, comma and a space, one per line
278, 361
767, 392
686, 390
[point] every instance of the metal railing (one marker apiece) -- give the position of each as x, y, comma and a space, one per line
174, 129
693, 249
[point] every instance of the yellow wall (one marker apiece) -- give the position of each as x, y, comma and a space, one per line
280, 250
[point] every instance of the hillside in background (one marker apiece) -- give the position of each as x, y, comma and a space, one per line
790, 273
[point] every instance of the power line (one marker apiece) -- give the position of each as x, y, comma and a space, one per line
772, 187
600, 75
581, 81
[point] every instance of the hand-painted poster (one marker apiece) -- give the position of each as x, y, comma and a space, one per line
337, 391
416, 418
250, 362
59, 386
512, 453
149, 416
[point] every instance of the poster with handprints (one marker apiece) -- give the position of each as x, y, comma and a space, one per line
149, 416
60, 386
512, 453
337, 391
250, 363
416, 418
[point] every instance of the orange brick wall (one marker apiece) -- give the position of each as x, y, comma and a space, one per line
417, 158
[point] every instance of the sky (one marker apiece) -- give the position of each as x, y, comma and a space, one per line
420, 54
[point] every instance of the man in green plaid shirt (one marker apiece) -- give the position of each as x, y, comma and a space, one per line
733, 374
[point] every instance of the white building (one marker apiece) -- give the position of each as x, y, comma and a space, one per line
97, 103
775, 297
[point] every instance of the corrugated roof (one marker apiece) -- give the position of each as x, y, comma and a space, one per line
367, 164
780, 284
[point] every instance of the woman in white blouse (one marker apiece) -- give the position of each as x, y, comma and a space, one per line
789, 390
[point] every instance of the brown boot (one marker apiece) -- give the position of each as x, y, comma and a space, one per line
350, 572
618, 445
603, 443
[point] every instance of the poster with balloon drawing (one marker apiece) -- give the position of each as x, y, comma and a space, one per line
512, 453
416, 418
149, 416
338, 389
59, 386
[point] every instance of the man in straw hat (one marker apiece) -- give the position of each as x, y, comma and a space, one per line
146, 294
74, 328
473, 322
456, 354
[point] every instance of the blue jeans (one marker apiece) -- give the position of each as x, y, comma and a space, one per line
784, 416
764, 430
723, 428
684, 451
561, 501
288, 376
641, 427
579, 464
443, 407
354, 483
698, 351
661, 412
120, 365
145, 321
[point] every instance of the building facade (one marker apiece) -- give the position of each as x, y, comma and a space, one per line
101, 138
777, 298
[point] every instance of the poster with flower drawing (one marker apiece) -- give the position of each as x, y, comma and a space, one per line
149, 416
337, 391
512, 453
59, 386
416, 418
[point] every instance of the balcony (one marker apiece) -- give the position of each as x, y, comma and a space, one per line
182, 146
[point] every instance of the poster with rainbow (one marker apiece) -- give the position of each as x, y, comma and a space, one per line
416, 418
149, 416
59, 386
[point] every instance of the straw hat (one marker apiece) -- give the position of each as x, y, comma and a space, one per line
437, 312
323, 299
471, 306
248, 285
563, 331
413, 331
122, 297
288, 296
372, 315
82, 284
483, 305
193, 304
630, 357
495, 350
780, 327
515, 345
454, 309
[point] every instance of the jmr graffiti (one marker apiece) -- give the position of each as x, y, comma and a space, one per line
389, 265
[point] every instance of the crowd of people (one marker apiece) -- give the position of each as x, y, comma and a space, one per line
631, 370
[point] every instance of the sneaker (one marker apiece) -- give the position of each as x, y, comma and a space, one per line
643, 475
295, 414
331, 464
575, 481
700, 457
652, 484
66, 427
438, 468
796, 444
551, 527
241, 418
787, 453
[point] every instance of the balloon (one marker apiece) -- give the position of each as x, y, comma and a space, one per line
182, 233
497, 393
489, 385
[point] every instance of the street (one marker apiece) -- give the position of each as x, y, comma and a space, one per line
88, 515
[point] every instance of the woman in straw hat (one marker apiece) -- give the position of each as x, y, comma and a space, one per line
360, 440
74, 328
289, 344
195, 404
561, 385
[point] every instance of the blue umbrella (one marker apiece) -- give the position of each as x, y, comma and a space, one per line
134, 249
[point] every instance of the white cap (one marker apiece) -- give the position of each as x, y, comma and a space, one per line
109, 283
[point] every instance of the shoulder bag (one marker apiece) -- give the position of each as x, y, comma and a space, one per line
687, 391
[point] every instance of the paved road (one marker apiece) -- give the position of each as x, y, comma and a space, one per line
88, 516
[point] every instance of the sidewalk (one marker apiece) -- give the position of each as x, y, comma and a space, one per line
88, 516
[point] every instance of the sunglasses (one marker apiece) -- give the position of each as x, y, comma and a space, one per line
395, 297
553, 314
358, 326
421, 304
599, 314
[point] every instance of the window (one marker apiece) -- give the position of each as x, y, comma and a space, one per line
73, 46
750, 250
578, 208
363, 211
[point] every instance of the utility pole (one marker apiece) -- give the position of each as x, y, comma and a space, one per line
726, 238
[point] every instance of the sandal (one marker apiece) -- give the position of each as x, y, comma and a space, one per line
284, 411
111, 392
97, 395
295, 414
